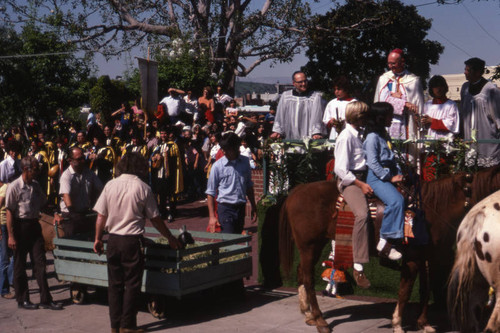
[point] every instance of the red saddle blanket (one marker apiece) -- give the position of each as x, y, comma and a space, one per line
343, 236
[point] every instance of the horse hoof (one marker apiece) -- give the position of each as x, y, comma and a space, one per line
398, 329
310, 322
323, 329
428, 329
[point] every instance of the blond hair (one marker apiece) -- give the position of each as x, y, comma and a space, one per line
355, 110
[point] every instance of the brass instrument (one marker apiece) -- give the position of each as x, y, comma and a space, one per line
156, 164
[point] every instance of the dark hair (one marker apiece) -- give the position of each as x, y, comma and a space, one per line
15, 146
342, 82
437, 81
217, 135
100, 137
375, 122
61, 140
134, 164
297, 72
476, 64
230, 141
165, 129
210, 91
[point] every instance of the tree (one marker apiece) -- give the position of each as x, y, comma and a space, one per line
227, 31
361, 53
184, 68
107, 96
37, 85
179, 67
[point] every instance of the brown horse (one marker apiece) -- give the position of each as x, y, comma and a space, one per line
308, 218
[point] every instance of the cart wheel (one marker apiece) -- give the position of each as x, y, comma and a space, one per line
78, 293
156, 306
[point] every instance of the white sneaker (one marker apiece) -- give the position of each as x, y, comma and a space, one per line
389, 252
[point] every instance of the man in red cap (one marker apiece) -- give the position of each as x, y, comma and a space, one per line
403, 90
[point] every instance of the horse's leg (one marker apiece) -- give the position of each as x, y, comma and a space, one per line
308, 257
305, 308
425, 292
303, 302
409, 271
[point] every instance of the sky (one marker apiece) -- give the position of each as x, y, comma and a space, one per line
469, 29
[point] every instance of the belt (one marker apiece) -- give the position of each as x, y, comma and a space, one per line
140, 236
232, 204
359, 174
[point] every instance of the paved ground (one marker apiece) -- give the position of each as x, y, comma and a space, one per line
259, 310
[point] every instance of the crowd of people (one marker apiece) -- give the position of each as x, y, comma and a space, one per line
204, 149
181, 142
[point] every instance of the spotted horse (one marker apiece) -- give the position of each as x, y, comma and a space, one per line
476, 268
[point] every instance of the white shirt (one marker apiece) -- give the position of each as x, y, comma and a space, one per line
214, 150
80, 187
175, 105
25, 200
448, 113
335, 109
127, 201
7, 169
349, 155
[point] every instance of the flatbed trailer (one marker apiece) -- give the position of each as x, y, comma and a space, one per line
215, 259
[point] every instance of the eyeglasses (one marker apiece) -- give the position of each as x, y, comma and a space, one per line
300, 82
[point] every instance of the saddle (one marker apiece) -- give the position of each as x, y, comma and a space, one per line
414, 228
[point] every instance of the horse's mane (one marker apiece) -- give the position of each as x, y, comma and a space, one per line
484, 183
434, 191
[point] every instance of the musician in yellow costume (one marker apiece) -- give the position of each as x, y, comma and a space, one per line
81, 142
166, 173
136, 145
102, 159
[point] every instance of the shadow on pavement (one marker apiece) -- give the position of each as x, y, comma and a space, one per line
212, 304
437, 319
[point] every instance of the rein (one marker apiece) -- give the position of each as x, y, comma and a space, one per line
416, 197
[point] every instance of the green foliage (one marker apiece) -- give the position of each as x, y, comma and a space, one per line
228, 31
107, 95
361, 52
294, 162
37, 86
185, 68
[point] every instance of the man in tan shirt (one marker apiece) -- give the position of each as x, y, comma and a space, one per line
24, 200
123, 207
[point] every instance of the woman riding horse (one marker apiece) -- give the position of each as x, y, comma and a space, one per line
383, 172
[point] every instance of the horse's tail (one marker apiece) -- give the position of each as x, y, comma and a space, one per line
465, 301
285, 241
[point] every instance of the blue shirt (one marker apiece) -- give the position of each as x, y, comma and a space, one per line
379, 157
230, 180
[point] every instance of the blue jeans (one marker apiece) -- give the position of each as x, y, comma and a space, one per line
393, 221
6, 263
231, 217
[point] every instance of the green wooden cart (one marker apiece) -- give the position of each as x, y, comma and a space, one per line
214, 260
